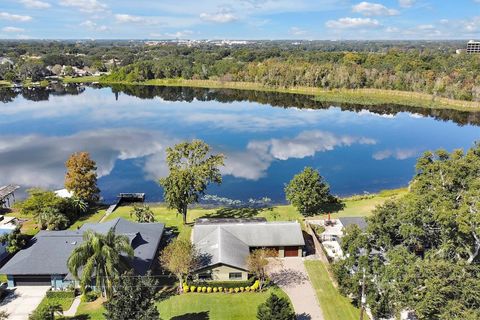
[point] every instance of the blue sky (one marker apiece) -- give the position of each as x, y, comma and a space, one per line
240, 19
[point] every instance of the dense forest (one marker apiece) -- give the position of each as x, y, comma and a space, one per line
427, 67
422, 252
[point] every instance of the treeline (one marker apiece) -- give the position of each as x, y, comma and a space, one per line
445, 75
427, 67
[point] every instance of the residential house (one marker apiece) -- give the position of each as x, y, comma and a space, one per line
44, 261
334, 231
225, 244
7, 225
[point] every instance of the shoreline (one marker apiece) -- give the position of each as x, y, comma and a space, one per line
368, 97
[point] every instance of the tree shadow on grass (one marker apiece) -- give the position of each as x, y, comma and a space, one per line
79, 317
236, 213
193, 316
303, 316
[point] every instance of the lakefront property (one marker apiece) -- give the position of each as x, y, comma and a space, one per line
225, 244
44, 261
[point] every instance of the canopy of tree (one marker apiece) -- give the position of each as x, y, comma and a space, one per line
133, 298
421, 252
81, 177
192, 168
309, 193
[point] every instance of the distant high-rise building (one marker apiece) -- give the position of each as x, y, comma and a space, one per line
473, 46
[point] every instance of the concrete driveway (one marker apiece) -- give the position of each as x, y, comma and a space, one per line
21, 301
292, 277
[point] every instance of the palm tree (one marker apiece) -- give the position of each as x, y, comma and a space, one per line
78, 205
52, 219
102, 257
142, 213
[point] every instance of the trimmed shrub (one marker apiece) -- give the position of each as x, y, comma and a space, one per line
60, 294
230, 290
225, 284
220, 289
209, 289
199, 289
204, 289
236, 290
242, 289
215, 289
247, 289
186, 289
90, 296
192, 288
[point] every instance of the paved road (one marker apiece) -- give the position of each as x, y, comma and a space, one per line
22, 301
290, 275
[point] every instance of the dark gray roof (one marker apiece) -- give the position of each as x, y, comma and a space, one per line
223, 247
359, 221
48, 252
229, 243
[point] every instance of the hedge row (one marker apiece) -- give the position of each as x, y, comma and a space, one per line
210, 289
60, 294
224, 284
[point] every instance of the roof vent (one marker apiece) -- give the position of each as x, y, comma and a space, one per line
73, 242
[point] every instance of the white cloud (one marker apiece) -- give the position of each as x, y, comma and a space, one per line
406, 3
296, 31
399, 154
89, 24
222, 16
373, 9
180, 34
88, 6
14, 17
47, 168
127, 18
35, 4
347, 23
12, 29
253, 163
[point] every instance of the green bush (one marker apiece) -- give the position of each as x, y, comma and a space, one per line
247, 289
60, 294
230, 290
186, 289
192, 288
220, 289
215, 289
209, 289
199, 289
236, 290
242, 289
90, 296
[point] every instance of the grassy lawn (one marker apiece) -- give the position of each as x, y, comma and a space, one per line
90, 310
334, 305
214, 306
64, 302
81, 79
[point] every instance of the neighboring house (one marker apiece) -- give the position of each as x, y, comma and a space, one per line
333, 233
7, 225
4, 60
64, 193
224, 245
44, 261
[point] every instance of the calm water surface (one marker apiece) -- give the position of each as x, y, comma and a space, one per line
266, 137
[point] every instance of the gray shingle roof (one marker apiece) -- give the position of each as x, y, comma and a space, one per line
220, 246
229, 243
359, 221
48, 252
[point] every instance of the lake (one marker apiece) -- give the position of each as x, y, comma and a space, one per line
266, 138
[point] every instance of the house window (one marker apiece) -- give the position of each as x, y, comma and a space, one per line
205, 276
235, 276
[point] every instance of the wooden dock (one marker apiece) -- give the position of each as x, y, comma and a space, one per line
123, 197
7, 193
